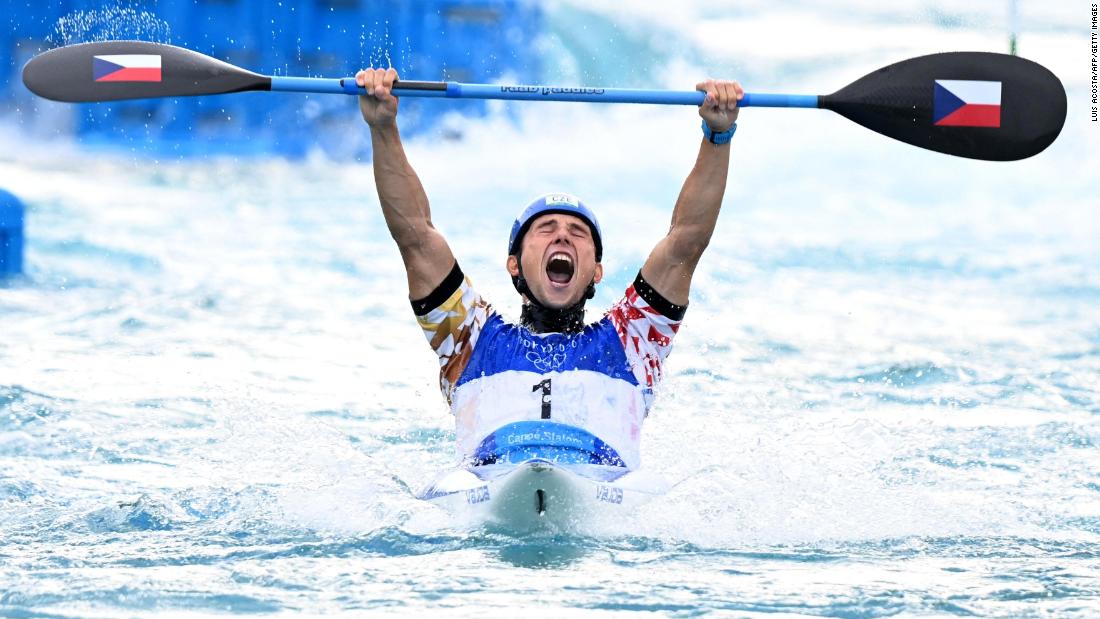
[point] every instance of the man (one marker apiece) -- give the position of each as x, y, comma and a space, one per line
550, 387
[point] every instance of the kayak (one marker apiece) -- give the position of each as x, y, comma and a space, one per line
542, 494
541, 474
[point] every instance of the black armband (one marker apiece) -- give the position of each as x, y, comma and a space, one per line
667, 308
441, 293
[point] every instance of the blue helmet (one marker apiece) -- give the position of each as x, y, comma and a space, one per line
554, 203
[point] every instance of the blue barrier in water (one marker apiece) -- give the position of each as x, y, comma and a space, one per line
462, 40
11, 234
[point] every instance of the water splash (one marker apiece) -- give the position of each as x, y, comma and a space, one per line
375, 47
110, 23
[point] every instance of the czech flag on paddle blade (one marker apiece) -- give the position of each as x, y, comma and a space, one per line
966, 103
126, 68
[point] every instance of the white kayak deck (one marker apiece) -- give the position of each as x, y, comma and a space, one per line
540, 493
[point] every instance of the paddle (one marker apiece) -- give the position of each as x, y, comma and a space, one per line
971, 104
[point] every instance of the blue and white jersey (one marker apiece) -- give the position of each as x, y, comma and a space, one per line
494, 373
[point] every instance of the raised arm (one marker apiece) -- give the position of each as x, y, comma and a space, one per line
427, 257
672, 262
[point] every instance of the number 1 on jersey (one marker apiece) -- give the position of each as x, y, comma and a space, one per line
545, 386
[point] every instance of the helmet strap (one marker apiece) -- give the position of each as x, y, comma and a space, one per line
542, 319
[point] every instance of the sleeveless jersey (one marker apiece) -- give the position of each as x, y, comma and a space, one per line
494, 373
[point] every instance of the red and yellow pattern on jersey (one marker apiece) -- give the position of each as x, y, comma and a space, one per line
452, 329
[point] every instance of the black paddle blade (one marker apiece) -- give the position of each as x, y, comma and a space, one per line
115, 70
971, 104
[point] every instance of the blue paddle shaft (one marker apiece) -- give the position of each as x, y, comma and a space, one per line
456, 90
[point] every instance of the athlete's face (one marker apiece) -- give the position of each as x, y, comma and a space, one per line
559, 259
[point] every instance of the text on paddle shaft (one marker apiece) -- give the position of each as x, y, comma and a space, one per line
1093, 82
545, 386
552, 90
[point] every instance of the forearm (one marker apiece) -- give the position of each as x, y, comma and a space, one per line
424, 251
671, 264
700, 200
404, 203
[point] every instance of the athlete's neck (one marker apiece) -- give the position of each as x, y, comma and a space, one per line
541, 319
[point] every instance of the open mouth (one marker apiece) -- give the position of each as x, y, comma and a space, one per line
560, 268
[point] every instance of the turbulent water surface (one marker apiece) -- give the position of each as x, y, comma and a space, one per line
885, 398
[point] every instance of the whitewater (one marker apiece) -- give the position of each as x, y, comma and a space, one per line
884, 399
